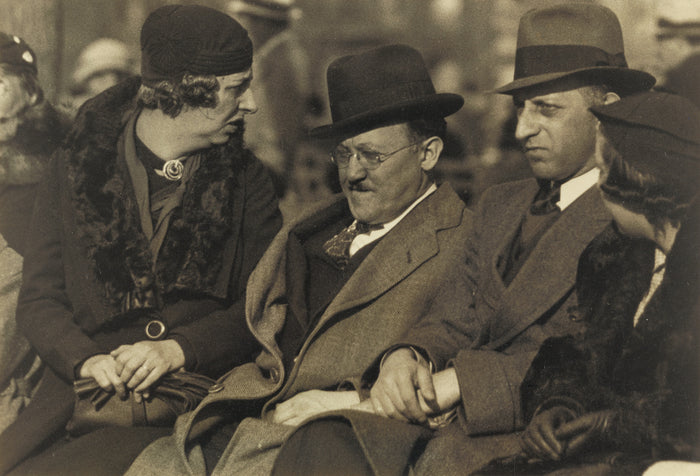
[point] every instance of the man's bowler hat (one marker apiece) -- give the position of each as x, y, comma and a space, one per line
383, 86
573, 39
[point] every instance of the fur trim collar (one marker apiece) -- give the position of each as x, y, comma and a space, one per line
24, 160
107, 213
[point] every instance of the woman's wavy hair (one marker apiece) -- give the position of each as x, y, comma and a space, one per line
171, 96
659, 202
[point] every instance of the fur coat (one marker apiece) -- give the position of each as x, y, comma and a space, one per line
649, 374
23, 164
87, 252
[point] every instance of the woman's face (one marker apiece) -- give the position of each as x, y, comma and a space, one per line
628, 222
13, 99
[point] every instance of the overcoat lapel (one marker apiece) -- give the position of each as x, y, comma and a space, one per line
410, 244
549, 273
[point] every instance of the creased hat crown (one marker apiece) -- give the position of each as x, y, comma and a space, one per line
384, 85
573, 39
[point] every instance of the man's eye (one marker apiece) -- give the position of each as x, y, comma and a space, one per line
371, 157
547, 109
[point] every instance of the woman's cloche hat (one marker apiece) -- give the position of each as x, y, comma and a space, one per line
657, 133
382, 86
573, 39
15, 51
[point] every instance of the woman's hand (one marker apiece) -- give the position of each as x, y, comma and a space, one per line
141, 364
540, 439
103, 368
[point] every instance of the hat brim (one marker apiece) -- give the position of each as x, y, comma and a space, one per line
623, 80
436, 105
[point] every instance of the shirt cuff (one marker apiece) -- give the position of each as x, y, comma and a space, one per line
417, 355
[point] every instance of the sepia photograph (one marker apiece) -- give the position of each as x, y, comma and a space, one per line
349, 237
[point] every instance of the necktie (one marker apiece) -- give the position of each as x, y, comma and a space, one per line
546, 199
338, 247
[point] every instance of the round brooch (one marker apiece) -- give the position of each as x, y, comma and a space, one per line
172, 170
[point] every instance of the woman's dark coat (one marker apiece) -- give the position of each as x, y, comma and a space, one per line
649, 374
87, 250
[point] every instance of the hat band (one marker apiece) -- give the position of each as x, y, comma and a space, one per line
368, 101
546, 59
222, 64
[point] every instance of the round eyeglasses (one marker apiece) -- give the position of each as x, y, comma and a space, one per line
367, 158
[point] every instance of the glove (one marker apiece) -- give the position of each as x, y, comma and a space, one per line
590, 428
541, 439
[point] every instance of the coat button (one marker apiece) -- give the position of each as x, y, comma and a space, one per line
296, 359
217, 387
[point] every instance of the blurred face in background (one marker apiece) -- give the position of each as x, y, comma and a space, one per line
13, 100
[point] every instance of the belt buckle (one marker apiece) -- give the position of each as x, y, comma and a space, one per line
155, 329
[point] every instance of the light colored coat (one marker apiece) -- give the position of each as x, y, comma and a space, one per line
406, 277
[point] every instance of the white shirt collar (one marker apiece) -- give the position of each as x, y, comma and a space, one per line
364, 239
575, 187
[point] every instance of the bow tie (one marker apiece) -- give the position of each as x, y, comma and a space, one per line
338, 247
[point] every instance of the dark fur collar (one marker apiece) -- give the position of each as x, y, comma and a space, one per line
24, 160
107, 214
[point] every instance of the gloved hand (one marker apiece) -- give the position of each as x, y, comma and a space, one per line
589, 428
541, 438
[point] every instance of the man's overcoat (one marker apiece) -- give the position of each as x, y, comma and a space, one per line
496, 334
408, 276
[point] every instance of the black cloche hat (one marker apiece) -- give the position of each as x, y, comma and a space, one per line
657, 133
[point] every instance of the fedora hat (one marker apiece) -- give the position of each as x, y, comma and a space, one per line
383, 86
657, 133
580, 39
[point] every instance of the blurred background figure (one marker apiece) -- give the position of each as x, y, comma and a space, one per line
677, 34
684, 79
468, 45
30, 129
282, 86
101, 64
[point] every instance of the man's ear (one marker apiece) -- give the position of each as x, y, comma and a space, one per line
610, 97
433, 149
33, 99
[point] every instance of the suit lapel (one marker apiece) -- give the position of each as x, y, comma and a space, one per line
509, 218
549, 273
406, 247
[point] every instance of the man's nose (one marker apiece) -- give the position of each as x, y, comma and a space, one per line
527, 126
355, 172
248, 103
